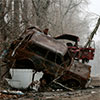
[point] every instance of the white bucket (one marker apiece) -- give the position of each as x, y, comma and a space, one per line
21, 78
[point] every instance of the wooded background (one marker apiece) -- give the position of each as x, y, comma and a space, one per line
60, 16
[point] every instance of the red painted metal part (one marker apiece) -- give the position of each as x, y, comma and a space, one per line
86, 53
82, 53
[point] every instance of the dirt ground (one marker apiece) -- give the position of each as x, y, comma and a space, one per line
91, 93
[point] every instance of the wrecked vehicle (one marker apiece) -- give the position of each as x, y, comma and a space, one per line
37, 51
78, 53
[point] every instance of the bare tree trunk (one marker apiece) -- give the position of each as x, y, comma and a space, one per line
2, 22
93, 33
25, 13
41, 10
3, 32
16, 23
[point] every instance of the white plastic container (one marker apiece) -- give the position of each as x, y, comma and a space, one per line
21, 78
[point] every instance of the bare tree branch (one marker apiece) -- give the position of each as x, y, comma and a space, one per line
93, 33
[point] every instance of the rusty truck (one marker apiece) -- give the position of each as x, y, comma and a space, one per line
42, 53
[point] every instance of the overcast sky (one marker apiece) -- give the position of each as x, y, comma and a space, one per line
95, 8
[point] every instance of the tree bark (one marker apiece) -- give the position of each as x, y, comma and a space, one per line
16, 18
41, 10
92, 34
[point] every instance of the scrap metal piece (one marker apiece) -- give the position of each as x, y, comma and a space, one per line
67, 88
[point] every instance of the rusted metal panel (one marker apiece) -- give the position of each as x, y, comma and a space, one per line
49, 43
81, 70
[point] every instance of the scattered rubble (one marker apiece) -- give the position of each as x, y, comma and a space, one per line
83, 94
